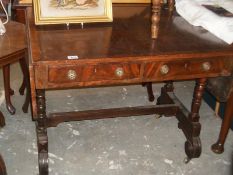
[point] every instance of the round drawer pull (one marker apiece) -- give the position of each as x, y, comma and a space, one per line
71, 74
164, 69
206, 66
119, 72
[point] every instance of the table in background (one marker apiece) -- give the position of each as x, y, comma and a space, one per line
13, 48
19, 11
121, 53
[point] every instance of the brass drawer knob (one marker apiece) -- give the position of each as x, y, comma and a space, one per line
119, 72
71, 74
206, 66
164, 69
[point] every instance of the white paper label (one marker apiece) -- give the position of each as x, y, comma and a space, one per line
72, 57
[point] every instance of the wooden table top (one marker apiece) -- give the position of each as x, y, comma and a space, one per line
127, 37
13, 40
122, 52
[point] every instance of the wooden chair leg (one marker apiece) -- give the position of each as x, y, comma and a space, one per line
25, 84
6, 77
2, 166
218, 147
149, 91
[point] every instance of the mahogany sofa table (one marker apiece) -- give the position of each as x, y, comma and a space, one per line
122, 53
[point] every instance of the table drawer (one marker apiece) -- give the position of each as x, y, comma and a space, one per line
182, 69
99, 72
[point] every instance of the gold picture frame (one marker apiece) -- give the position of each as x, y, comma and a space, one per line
131, 1
69, 11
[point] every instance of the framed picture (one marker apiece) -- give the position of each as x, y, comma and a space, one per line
72, 11
131, 1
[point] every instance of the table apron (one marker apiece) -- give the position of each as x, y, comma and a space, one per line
48, 76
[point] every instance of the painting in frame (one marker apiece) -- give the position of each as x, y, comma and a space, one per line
72, 11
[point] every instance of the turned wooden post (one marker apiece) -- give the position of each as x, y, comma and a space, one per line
193, 144
171, 5
197, 98
41, 130
155, 18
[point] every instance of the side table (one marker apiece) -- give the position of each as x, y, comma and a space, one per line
13, 48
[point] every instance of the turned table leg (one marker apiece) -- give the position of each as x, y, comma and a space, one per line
8, 90
193, 144
41, 130
218, 147
188, 121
